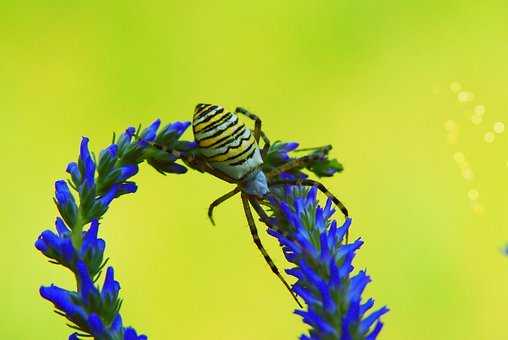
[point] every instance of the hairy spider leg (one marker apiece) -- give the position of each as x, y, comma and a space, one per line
322, 188
219, 201
261, 213
257, 129
257, 241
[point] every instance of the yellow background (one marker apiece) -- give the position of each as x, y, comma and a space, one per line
374, 78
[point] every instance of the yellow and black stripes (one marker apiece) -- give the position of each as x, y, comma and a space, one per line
226, 143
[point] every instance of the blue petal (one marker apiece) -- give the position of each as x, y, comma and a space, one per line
68, 251
62, 300
148, 134
311, 195
73, 336
86, 163
130, 334
47, 240
178, 128
109, 152
106, 199
41, 245
61, 228
125, 138
357, 285
175, 169
366, 306
288, 147
373, 317
325, 252
306, 296
87, 287
127, 171
96, 325
373, 335
90, 238
314, 320
127, 188
63, 194
116, 325
73, 170
110, 287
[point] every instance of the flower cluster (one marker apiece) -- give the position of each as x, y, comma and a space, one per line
93, 311
311, 241
323, 268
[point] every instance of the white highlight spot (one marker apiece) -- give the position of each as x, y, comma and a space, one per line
499, 127
479, 110
468, 174
465, 96
455, 86
489, 137
473, 194
459, 157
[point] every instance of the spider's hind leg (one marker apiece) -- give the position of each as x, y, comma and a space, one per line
257, 241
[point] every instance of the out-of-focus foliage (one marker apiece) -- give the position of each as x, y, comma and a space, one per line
374, 79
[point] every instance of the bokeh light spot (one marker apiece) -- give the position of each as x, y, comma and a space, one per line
468, 174
459, 157
455, 86
479, 110
499, 127
465, 96
473, 194
489, 137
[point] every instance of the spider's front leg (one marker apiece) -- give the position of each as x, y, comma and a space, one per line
300, 162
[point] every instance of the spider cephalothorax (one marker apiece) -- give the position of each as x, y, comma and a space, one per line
229, 150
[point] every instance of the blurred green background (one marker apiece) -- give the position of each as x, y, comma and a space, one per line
407, 92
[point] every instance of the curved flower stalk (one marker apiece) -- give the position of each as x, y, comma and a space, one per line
93, 311
315, 245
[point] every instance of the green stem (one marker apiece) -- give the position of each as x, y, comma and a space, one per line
76, 233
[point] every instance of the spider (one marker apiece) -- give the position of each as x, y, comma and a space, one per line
230, 151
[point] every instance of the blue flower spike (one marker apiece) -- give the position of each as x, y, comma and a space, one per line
322, 261
311, 241
92, 311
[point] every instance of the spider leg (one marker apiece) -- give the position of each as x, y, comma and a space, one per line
298, 162
262, 214
257, 129
219, 201
257, 241
323, 189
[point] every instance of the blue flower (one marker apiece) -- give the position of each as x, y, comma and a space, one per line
86, 164
65, 202
171, 132
323, 268
92, 311
148, 135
